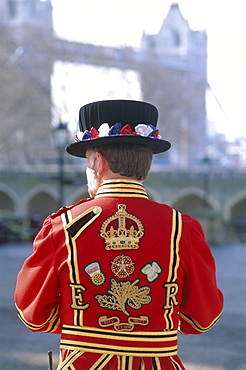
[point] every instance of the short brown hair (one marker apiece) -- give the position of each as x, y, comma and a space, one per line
127, 160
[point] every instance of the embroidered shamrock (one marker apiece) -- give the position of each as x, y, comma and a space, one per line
152, 271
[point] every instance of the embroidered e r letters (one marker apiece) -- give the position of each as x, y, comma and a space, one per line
77, 297
170, 298
171, 286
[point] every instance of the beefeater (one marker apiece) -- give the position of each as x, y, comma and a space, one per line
119, 275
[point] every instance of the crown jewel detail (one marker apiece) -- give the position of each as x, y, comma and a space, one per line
127, 235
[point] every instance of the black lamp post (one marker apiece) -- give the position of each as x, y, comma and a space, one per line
60, 137
206, 180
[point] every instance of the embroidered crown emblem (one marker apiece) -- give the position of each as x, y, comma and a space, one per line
122, 230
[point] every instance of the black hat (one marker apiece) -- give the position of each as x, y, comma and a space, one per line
117, 122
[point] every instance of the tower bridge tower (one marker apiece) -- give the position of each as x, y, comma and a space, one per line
176, 79
17, 14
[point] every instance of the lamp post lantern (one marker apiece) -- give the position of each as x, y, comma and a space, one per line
60, 137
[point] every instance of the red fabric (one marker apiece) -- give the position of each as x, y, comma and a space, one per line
118, 363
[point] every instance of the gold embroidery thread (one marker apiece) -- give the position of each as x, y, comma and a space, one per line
122, 266
124, 293
122, 237
114, 321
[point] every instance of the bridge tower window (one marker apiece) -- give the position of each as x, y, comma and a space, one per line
176, 38
12, 8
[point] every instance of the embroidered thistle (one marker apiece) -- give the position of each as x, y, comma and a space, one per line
122, 294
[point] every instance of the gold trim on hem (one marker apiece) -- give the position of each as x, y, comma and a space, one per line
154, 336
119, 350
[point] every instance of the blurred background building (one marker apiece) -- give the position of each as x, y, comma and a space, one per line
171, 70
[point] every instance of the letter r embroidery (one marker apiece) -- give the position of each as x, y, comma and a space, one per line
171, 292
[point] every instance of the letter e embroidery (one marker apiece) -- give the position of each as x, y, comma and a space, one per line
77, 297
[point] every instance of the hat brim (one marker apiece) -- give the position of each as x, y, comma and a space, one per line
79, 148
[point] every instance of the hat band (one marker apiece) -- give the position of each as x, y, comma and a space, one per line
117, 130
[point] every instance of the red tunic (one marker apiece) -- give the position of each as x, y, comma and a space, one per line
119, 276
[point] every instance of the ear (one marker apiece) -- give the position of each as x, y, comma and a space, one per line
101, 164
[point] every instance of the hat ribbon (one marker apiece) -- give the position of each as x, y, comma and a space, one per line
104, 130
